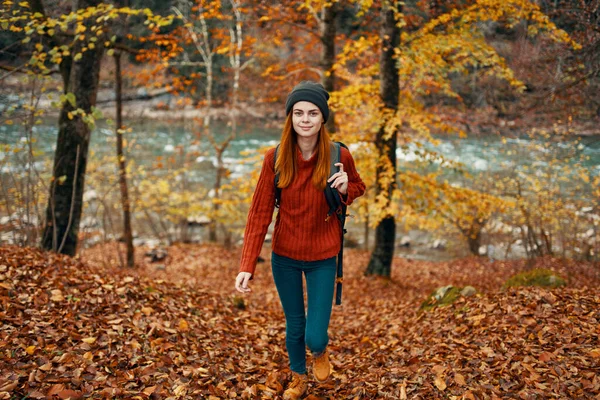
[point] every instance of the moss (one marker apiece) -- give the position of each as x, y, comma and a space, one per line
441, 297
536, 277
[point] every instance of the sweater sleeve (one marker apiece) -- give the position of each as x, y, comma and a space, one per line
260, 214
356, 186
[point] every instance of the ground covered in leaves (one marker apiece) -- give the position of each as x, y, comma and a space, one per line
177, 329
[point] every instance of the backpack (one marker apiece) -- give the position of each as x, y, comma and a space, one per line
336, 206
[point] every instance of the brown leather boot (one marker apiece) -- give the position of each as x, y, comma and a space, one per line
321, 367
297, 387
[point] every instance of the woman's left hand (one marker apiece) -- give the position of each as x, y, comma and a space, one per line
339, 179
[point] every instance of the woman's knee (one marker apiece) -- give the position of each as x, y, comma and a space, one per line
316, 341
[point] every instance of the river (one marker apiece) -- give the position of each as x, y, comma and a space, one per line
151, 139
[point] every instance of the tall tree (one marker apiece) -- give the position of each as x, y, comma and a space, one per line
120, 31
385, 233
120, 131
81, 77
76, 39
328, 57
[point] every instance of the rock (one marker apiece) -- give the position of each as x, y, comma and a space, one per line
405, 241
441, 292
157, 254
198, 220
468, 291
439, 244
442, 296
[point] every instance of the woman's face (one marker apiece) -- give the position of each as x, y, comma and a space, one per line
306, 119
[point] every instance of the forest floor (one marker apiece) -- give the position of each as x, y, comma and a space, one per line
85, 328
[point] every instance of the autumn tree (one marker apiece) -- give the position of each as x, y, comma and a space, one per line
81, 74
385, 141
431, 53
74, 42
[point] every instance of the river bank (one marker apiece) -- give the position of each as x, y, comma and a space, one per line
140, 104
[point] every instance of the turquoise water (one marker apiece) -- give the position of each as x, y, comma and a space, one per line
152, 140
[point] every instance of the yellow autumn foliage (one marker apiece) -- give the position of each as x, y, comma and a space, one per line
427, 59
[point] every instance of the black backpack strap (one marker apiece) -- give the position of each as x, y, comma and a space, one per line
277, 188
337, 207
332, 195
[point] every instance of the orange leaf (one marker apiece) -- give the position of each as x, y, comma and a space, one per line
55, 390
147, 310
545, 356
595, 353
183, 325
69, 394
149, 390
440, 383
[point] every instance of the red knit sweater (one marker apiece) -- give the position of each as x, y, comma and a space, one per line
301, 231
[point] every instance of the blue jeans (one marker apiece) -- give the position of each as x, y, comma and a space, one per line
304, 329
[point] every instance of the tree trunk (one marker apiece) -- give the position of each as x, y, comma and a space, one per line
383, 253
127, 231
328, 57
367, 233
63, 212
385, 233
235, 32
212, 232
474, 242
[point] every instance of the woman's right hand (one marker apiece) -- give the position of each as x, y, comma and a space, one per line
241, 282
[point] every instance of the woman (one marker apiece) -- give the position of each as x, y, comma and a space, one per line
304, 241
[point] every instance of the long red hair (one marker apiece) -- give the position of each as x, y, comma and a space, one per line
286, 165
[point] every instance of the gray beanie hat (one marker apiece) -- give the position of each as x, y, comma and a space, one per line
312, 92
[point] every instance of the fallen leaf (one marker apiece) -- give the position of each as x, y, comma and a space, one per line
55, 389
403, 391
468, 395
9, 386
69, 394
545, 356
147, 310
56, 295
45, 367
183, 325
149, 390
438, 369
440, 383
595, 352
